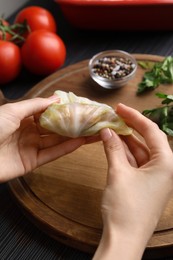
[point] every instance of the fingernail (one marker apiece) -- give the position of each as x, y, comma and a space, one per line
54, 98
106, 134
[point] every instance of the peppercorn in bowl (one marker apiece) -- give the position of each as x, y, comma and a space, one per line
112, 69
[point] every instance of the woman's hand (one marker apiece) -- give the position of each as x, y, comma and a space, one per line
23, 144
139, 184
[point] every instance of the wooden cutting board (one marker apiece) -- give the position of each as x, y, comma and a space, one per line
63, 197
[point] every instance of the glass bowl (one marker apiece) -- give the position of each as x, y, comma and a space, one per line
112, 69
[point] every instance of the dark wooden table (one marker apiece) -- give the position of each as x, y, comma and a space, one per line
19, 238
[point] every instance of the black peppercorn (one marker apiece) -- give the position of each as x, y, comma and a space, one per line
112, 67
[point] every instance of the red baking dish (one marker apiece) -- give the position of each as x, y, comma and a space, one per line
119, 14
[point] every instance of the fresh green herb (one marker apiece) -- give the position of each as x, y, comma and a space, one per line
148, 65
162, 116
167, 98
161, 73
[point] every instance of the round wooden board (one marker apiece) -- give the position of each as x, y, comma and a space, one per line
63, 197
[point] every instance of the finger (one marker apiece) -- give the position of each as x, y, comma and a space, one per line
92, 139
130, 156
138, 148
115, 153
26, 108
57, 151
51, 140
153, 136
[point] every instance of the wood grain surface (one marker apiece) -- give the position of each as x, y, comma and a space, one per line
63, 197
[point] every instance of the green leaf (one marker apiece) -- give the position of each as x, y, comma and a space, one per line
167, 98
161, 95
161, 73
168, 131
163, 117
146, 64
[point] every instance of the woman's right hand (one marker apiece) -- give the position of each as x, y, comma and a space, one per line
139, 184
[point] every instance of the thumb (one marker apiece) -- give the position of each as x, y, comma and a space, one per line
114, 149
26, 108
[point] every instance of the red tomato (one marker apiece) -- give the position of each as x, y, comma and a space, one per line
10, 61
4, 35
43, 52
37, 18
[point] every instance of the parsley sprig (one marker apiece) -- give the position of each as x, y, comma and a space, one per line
161, 73
162, 116
167, 99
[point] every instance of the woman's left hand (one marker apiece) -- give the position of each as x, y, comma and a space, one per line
23, 144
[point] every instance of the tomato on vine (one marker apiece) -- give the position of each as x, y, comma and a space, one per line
10, 61
13, 32
4, 33
43, 52
30, 41
37, 18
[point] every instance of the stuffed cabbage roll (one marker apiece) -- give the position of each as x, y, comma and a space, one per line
76, 116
